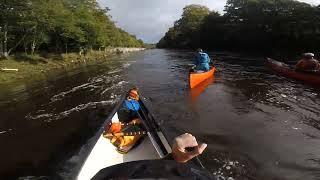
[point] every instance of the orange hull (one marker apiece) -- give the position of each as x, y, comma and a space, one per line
198, 78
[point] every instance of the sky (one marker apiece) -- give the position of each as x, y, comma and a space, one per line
149, 20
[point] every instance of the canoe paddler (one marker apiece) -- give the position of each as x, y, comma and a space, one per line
128, 121
174, 166
202, 61
308, 63
130, 106
133, 94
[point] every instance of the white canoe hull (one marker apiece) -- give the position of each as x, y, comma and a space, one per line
104, 154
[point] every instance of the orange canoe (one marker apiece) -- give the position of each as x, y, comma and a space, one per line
197, 78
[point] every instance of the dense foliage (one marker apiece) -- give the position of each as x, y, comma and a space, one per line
248, 25
58, 26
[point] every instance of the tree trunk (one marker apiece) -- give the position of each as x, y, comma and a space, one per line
66, 48
14, 47
5, 41
33, 47
34, 43
1, 49
25, 47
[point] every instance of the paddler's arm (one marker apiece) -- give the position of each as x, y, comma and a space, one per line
210, 60
196, 60
318, 65
184, 148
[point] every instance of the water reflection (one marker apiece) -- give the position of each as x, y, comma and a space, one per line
199, 89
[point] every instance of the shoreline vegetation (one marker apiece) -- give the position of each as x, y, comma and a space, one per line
23, 67
40, 36
272, 27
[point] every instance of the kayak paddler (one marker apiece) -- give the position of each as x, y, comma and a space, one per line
308, 63
202, 61
184, 148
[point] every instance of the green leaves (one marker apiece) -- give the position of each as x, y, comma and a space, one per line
186, 31
248, 25
59, 26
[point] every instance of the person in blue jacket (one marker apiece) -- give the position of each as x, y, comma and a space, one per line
202, 61
130, 106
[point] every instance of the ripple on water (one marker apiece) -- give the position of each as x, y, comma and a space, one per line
49, 117
5, 131
114, 86
126, 65
96, 84
63, 94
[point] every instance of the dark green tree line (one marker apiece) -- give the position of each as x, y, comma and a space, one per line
186, 31
253, 25
58, 26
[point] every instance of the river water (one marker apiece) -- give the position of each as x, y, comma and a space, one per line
257, 125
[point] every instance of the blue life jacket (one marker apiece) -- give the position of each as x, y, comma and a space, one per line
131, 105
202, 62
203, 58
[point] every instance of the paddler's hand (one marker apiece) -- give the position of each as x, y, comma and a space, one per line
185, 147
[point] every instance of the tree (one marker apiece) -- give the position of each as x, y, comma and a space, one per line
185, 32
58, 26
12, 15
250, 25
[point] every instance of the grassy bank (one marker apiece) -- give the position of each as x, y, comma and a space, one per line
38, 65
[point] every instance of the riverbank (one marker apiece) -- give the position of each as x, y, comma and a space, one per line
22, 67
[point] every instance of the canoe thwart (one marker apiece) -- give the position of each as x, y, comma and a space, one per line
110, 135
